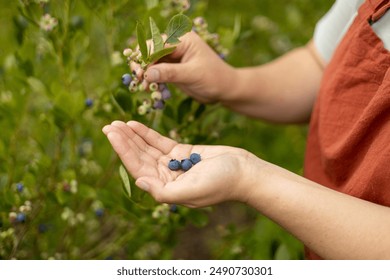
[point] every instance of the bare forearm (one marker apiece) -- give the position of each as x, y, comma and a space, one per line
281, 91
334, 225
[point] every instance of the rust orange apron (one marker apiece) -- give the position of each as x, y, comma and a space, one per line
348, 146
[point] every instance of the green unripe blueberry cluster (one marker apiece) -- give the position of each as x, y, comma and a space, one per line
158, 92
212, 39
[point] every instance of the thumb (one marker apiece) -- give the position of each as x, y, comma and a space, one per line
167, 73
154, 186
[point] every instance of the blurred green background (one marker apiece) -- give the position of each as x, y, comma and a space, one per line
59, 88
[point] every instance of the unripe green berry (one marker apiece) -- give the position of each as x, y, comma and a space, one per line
12, 216
142, 110
127, 52
200, 22
133, 87
153, 87
141, 87
156, 95
147, 103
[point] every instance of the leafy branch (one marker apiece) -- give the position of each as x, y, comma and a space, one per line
177, 27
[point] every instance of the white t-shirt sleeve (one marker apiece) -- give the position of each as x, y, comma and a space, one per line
333, 25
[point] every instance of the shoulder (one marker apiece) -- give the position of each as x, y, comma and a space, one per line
333, 25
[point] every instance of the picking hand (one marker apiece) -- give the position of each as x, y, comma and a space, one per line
145, 154
195, 68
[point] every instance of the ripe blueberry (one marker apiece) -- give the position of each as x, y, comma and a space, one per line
158, 104
21, 217
165, 94
173, 208
126, 79
99, 212
19, 187
186, 164
88, 102
42, 228
174, 165
195, 158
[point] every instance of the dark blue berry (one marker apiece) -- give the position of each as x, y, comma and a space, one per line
88, 102
99, 212
173, 208
162, 86
21, 217
195, 158
126, 79
186, 164
174, 165
165, 94
42, 228
158, 104
19, 187
223, 56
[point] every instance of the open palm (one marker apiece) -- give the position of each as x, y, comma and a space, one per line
145, 154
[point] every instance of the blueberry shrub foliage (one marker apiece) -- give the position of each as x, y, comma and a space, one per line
64, 74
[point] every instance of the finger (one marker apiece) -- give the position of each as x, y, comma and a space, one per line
127, 133
126, 152
137, 70
180, 191
142, 145
153, 138
139, 161
168, 72
158, 189
185, 44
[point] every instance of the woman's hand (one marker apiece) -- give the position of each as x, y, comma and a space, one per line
195, 68
221, 175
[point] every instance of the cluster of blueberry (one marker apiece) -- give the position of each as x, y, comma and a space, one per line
184, 164
212, 39
159, 93
21, 215
170, 7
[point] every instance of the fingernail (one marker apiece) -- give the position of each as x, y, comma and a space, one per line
143, 185
105, 129
152, 75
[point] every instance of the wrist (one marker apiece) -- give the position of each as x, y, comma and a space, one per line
225, 84
238, 88
252, 176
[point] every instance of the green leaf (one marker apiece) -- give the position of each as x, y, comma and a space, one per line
157, 55
141, 37
177, 27
199, 111
37, 86
125, 180
282, 253
198, 218
158, 42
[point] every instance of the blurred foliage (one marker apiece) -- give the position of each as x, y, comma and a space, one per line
60, 189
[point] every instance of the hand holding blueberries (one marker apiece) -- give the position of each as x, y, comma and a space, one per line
206, 176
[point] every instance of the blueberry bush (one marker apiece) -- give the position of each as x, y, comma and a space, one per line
64, 74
